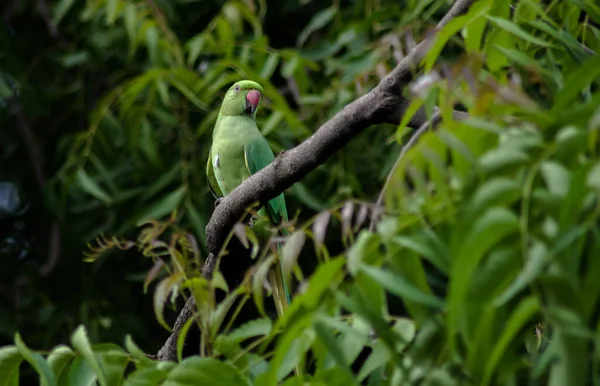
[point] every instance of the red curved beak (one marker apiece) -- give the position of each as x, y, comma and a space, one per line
252, 101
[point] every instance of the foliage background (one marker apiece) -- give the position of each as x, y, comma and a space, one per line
107, 95
120, 98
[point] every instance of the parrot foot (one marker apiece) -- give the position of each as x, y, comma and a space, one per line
218, 201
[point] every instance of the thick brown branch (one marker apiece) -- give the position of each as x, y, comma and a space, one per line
384, 104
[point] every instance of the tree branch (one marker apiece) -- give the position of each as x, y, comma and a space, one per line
384, 104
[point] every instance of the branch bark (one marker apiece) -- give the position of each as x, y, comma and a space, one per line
384, 104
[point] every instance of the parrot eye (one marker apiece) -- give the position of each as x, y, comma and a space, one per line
237, 88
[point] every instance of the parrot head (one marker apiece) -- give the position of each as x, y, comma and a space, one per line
242, 98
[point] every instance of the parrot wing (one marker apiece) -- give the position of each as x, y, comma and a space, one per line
257, 155
213, 184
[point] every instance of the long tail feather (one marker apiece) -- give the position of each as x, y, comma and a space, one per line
284, 281
281, 291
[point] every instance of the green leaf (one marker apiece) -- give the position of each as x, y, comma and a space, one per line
194, 47
290, 66
161, 293
498, 191
521, 315
335, 376
291, 250
36, 361
523, 59
327, 337
111, 11
74, 59
468, 249
376, 360
205, 371
256, 327
318, 21
141, 360
401, 287
569, 322
151, 35
365, 248
477, 10
162, 182
411, 110
198, 221
181, 338
188, 93
306, 197
270, 66
146, 377
82, 373
80, 342
113, 360
147, 143
577, 80
514, 29
91, 187
61, 8
428, 246
293, 352
258, 280
163, 206
474, 33
272, 123
406, 330
10, 360
502, 158
593, 178
557, 178
130, 18
353, 338
321, 280
217, 316
536, 260
59, 358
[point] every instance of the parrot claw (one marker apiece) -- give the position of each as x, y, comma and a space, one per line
218, 201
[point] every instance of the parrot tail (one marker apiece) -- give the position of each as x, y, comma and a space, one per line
281, 291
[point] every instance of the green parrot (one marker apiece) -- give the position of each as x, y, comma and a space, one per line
239, 150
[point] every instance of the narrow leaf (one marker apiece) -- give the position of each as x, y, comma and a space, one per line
91, 187
514, 29
36, 361
81, 343
401, 287
10, 360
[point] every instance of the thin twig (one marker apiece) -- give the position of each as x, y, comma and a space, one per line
433, 122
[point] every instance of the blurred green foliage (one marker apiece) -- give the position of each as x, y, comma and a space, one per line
483, 269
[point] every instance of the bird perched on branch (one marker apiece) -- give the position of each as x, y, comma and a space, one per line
239, 150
